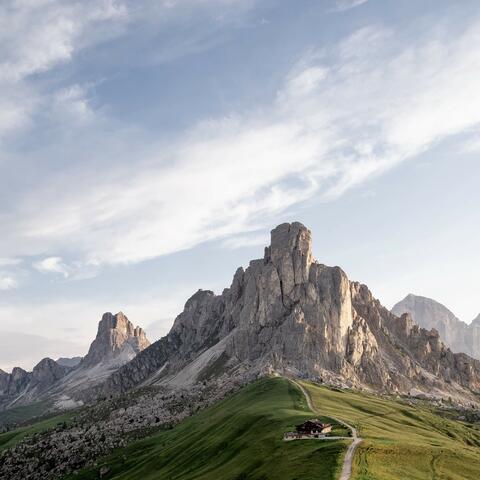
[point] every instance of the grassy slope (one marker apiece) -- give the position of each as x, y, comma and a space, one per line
9, 439
237, 438
23, 413
403, 442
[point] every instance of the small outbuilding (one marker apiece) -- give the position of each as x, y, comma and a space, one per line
310, 429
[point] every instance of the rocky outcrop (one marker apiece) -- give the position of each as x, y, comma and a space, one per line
47, 372
57, 385
459, 336
415, 357
288, 313
117, 339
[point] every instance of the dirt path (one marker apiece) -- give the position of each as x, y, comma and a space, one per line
347, 462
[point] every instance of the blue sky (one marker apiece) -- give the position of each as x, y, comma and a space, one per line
148, 147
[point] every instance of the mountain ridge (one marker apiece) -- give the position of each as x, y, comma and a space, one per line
117, 342
428, 313
287, 312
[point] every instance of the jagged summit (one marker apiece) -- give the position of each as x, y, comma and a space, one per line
428, 313
48, 371
290, 252
56, 383
287, 312
116, 336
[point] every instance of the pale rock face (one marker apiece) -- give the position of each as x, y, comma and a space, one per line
284, 299
429, 314
290, 253
288, 313
116, 336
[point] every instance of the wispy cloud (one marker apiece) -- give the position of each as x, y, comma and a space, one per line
343, 5
7, 283
471, 144
345, 114
38, 37
52, 265
8, 262
8, 278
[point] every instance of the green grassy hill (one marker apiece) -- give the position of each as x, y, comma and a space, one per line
19, 415
240, 438
237, 438
403, 442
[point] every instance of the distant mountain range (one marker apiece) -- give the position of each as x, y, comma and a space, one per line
458, 335
58, 383
285, 313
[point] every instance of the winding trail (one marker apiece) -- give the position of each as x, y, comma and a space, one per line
347, 462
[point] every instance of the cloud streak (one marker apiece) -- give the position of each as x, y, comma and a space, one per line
52, 265
345, 114
344, 5
7, 283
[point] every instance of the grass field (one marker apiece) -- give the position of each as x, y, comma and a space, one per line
402, 442
239, 438
23, 414
9, 439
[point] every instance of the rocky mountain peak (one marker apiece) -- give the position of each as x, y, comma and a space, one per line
288, 238
290, 252
48, 371
18, 373
287, 312
116, 337
430, 314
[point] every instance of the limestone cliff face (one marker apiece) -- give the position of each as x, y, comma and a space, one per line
414, 357
428, 313
116, 337
286, 312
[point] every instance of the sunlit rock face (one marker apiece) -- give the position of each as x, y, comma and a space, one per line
457, 335
116, 337
288, 313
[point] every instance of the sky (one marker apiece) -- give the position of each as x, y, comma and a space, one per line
147, 148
